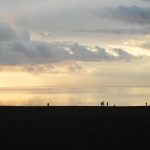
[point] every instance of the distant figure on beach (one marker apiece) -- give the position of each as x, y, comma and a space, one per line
102, 103
107, 104
146, 103
48, 104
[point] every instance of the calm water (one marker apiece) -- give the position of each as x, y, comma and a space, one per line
121, 96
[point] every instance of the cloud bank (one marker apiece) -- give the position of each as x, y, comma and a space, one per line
117, 31
18, 49
131, 14
20, 53
146, 0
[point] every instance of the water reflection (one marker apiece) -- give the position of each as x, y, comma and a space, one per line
40, 96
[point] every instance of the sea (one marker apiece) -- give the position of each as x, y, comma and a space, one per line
54, 96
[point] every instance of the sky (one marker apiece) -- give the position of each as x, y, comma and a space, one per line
74, 43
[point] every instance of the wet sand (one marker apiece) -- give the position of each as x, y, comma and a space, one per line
74, 127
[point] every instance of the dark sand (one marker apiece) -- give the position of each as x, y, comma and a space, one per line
74, 127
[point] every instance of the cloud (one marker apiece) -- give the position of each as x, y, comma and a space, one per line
55, 68
132, 14
146, 45
116, 31
44, 34
146, 0
142, 42
6, 32
122, 54
22, 51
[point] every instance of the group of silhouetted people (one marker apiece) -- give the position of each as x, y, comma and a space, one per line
103, 104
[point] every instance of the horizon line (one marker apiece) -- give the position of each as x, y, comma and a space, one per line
71, 87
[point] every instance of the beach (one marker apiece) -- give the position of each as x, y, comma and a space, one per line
105, 127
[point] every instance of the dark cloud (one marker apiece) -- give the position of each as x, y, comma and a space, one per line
122, 54
6, 32
132, 14
20, 53
129, 31
146, 0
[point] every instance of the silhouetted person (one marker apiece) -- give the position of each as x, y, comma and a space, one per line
48, 104
107, 104
146, 103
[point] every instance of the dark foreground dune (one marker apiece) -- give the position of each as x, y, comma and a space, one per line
74, 127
